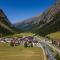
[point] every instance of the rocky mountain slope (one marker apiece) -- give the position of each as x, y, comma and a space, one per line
5, 26
47, 22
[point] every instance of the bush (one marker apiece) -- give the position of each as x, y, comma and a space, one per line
57, 57
11, 44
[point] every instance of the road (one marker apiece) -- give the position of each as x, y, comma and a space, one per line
48, 51
47, 47
50, 55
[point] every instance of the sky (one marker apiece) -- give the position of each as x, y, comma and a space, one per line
19, 10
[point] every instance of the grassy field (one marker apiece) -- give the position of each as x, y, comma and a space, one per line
19, 53
55, 35
21, 34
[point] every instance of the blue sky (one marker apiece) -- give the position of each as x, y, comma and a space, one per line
18, 10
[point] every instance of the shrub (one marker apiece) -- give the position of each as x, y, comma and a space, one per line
57, 57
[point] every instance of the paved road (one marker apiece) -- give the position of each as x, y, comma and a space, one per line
48, 51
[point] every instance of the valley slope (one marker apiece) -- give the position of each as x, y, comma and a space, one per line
46, 23
5, 26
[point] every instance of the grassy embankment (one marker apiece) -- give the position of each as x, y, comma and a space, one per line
55, 35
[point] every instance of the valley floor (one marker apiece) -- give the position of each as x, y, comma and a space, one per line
20, 53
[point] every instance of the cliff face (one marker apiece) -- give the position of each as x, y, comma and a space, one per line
47, 22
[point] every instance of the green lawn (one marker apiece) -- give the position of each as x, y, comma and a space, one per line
19, 53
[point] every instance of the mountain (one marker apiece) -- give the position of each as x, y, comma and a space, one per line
52, 20
26, 25
5, 25
46, 23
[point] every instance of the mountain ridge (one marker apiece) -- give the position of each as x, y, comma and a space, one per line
6, 27
45, 21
